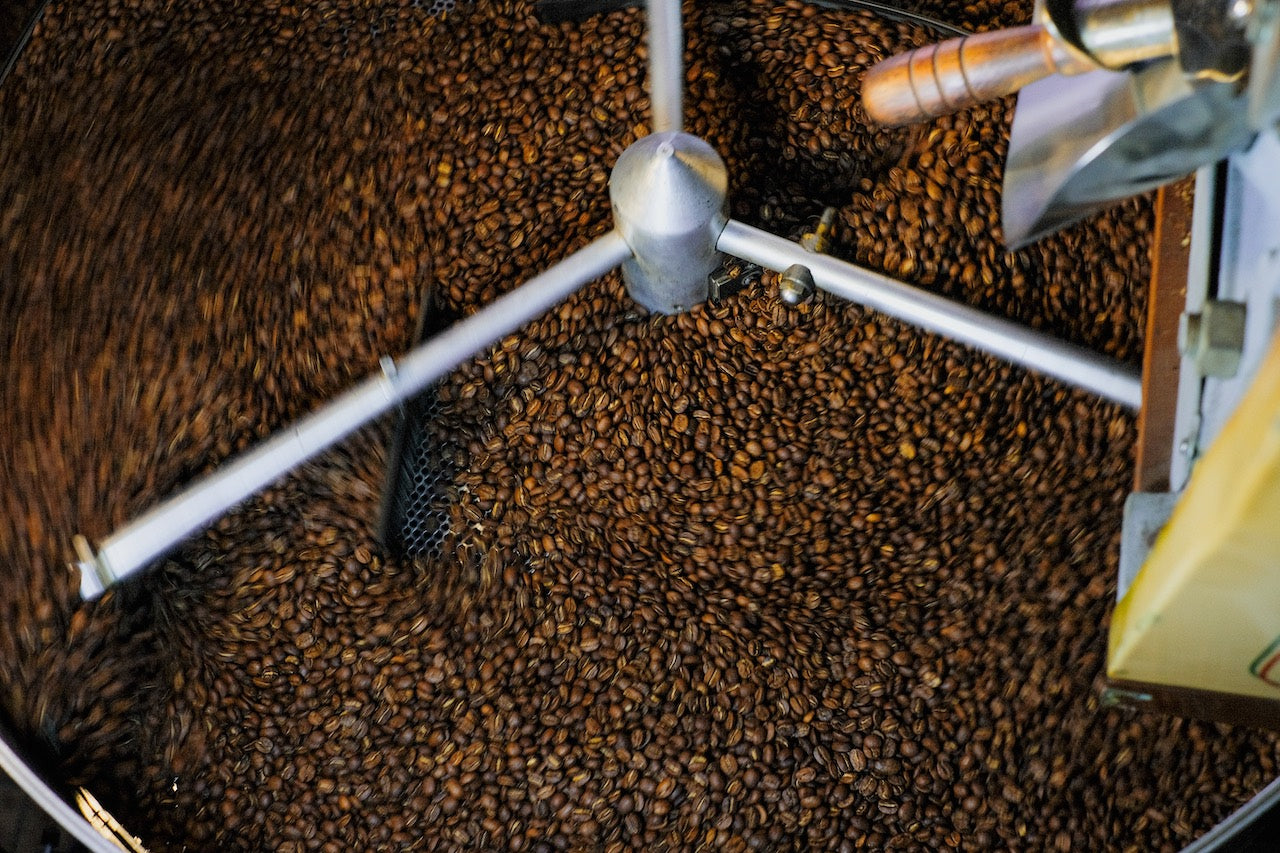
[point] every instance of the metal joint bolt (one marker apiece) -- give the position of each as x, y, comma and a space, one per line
796, 284
1214, 338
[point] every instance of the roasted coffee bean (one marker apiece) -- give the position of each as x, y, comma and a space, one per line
752, 577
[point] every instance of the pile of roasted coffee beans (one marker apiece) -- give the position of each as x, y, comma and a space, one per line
753, 577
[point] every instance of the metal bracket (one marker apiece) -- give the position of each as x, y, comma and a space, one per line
1145, 515
1213, 339
732, 277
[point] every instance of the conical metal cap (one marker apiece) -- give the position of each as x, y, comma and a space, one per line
669, 203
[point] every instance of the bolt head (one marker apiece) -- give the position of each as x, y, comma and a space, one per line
796, 284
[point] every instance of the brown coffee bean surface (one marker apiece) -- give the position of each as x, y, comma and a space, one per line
752, 577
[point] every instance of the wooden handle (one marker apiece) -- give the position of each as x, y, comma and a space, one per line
951, 76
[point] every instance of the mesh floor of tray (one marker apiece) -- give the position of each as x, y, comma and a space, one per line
439, 7
416, 519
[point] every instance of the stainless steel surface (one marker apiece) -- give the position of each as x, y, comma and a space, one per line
1200, 261
1248, 271
666, 65
1071, 364
796, 284
1213, 338
162, 528
1236, 259
1145, 514
668, 192
1212, 40
1078, 144
1264, 70
1118, 34
94, 578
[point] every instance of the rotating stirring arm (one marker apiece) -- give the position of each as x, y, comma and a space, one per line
163, 527
671, 221
993, 335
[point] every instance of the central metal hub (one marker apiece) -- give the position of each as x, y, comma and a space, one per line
669, 194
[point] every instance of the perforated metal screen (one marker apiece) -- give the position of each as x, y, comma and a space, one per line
439, 7
416, 513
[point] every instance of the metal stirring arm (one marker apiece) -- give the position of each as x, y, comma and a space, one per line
993, 335
669, 202
164, 527
159, 530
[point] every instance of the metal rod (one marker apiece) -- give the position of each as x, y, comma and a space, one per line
666, 65
161, 528
999, 337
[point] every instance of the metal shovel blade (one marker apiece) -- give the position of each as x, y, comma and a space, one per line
1081, 143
